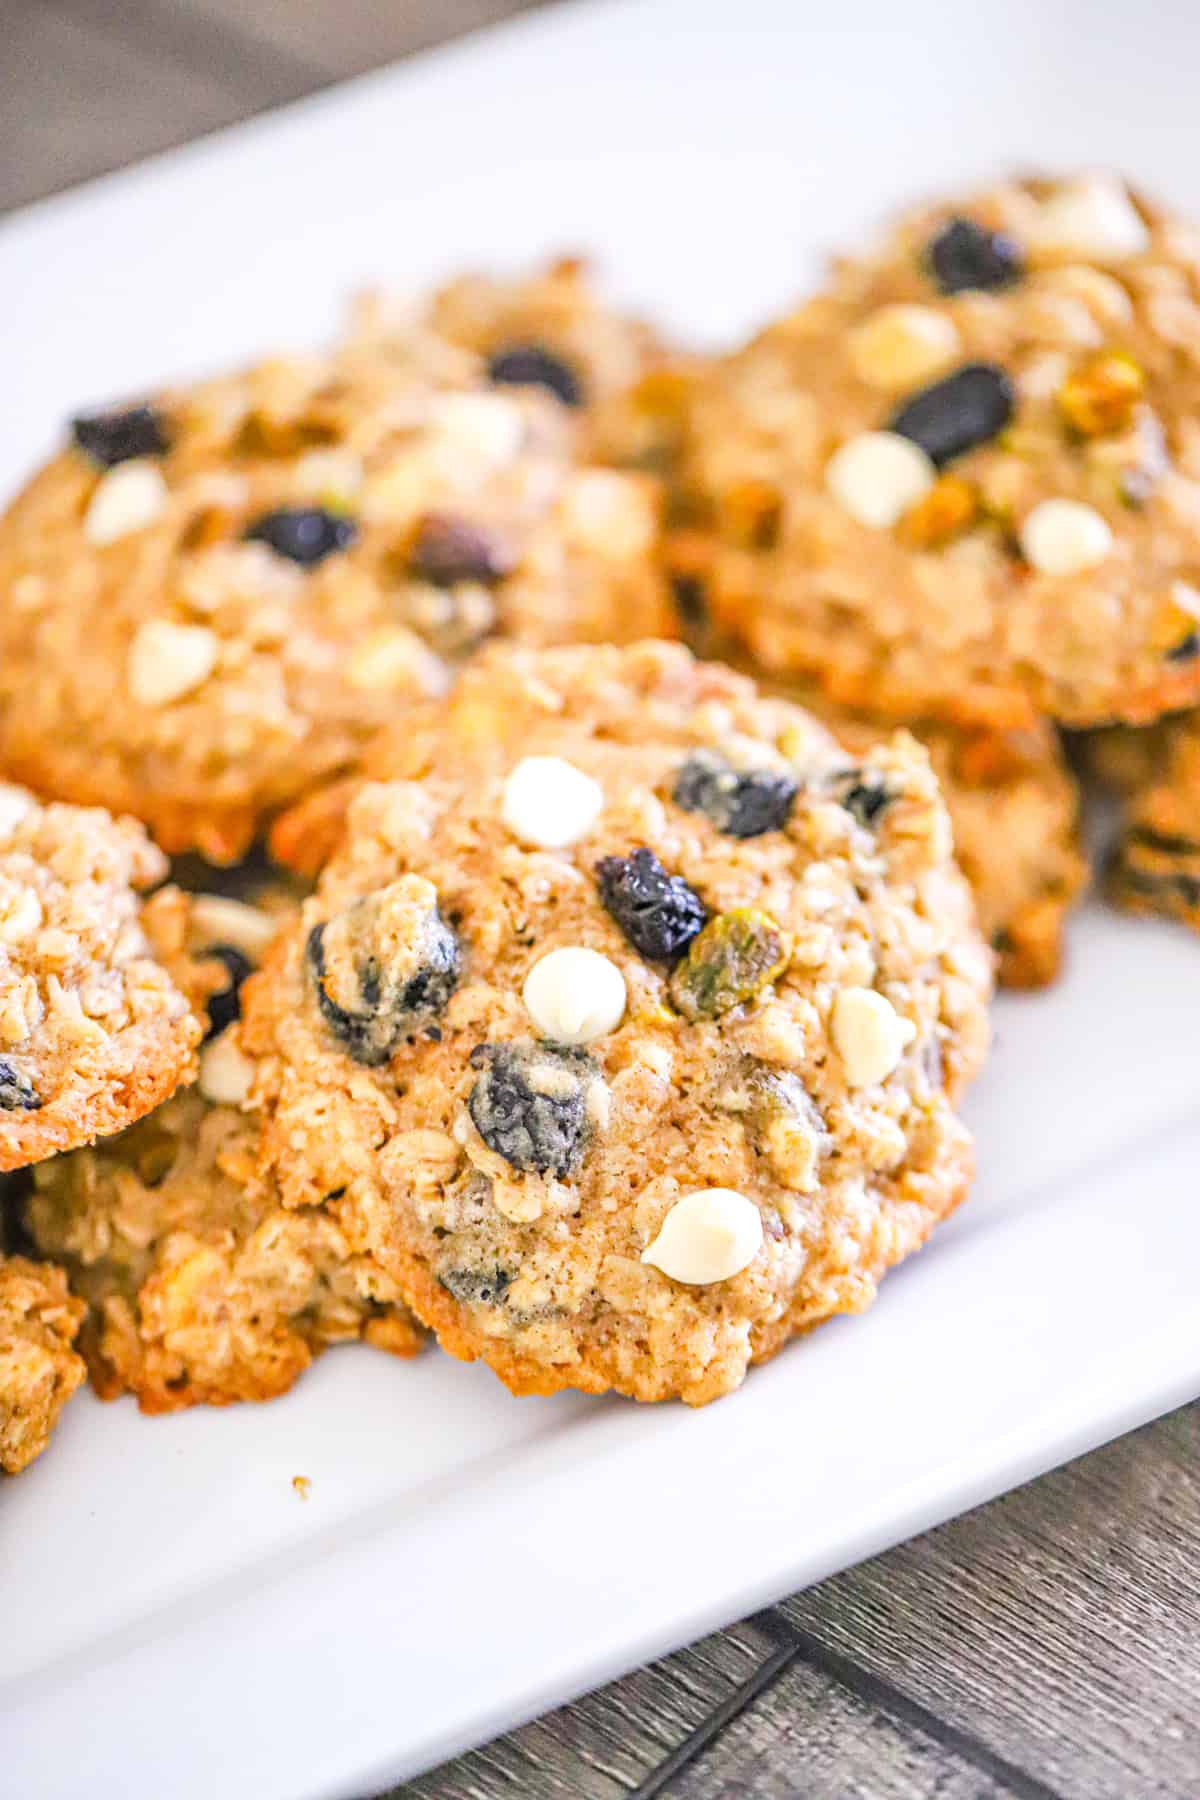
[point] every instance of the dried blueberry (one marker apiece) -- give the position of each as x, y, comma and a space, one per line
659, 913
530, 1104
864, 796
446, 550
477, 1287
968, 408
384, 968
226, 1004
17, 1092
965, 255
116, 437
532, 365
691, 601
304, 534
744, 803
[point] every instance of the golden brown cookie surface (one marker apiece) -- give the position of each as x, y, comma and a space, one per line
1014, 807
39, 1371
210, 602
553, 329
1155, 868
629, 1025
964, 479
94, 1029
202, 1288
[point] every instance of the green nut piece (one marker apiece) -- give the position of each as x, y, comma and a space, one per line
736, 955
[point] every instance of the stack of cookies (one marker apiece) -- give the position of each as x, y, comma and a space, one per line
605, 1004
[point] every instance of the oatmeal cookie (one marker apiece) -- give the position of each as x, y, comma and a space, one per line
208, 603
1015, 810
553, 330
1155, 867
630, 1023
201, 1288
1013, 801
39, 1371
96, 1018
963, 481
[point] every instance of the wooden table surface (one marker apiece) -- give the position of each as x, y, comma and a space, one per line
1046, 1645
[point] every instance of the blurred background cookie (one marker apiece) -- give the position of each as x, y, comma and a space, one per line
211, 600
963, 480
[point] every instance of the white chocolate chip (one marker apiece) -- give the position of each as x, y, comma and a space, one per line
15, 805
609, 513
870, 1035
215, 919
707, 1236
483, 426
127, 498
391, 658
167, 661
226, 1072
1064, 537
1094, 217
334, 474
550, 803
900, 347
574, 995
878, 475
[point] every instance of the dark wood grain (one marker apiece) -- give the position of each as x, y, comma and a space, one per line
1047, 1645
808, 1734
88, 87
1060, 1625
353, 35
77, 102
608, 1743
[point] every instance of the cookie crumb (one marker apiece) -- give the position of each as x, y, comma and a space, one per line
303, 1486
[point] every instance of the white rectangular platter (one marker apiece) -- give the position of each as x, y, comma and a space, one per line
176, 1620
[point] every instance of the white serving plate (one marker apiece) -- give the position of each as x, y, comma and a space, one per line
176, 1620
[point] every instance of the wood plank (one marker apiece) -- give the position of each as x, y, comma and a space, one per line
1060, 1625
604, 1745
809, 1735
87, 89
255, 71
77, 102
348, 37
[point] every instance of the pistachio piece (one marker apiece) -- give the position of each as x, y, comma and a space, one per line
736, 955
1099, 396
